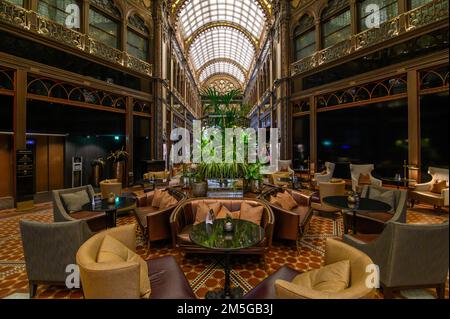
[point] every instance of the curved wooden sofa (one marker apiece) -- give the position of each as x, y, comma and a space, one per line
290, 225
183, 218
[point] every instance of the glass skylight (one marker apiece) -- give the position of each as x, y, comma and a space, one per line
222, 42
222, 67
246, 13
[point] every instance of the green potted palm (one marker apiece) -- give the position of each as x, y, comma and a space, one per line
254, 178
97, 165
199, 185
119, 159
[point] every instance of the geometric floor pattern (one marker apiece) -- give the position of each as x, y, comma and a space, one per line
204, 273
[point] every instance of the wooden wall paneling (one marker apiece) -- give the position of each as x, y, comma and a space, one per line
6, 173
42, 169
56, 162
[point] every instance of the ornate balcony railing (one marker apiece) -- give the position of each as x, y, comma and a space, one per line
427, 14
31, 21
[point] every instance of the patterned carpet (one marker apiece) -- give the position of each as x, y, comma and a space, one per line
203, 272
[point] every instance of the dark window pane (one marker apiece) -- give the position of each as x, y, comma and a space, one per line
336, 29
371, 134
137, 45
388, 11
417, 3
434, 111
301, 142
103, 29
16, 2
55, 10
305, 45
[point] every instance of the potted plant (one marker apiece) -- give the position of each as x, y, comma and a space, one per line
97, 171
186, 176
254, 178
119, 159
199, 186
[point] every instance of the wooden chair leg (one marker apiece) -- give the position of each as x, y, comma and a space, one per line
33, 289
440, 291
388, 293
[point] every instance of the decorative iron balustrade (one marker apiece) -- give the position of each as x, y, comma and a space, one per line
425, 15
31, 21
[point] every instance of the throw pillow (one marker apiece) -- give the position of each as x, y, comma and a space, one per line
251, 214
364, 179
274, 201
75, 201
286, 200
113, 251
439, 186
167, 201
157, 197
385, 196
203, 210
332, 278
223, 213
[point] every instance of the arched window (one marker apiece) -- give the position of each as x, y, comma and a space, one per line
336, 22
137, 37
104, 22
369, 16
412, 4
65, 12
304, 38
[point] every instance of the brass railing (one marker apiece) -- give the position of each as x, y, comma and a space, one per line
33, 22
427, 14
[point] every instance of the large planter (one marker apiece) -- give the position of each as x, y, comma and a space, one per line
96, 177
119, 171
256, 186
200, 189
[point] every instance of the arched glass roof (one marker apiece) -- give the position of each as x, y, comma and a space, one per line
222, 42
222, 67
246, 13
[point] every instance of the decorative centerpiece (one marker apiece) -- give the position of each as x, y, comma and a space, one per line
353, 199
111, 198
228, 226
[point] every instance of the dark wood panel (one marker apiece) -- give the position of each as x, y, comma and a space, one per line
56, 162
41, 164
6, 185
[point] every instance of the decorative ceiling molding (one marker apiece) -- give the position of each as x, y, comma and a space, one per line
223, 68
265, 5
221, 60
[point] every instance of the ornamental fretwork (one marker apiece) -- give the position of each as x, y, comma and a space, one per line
427, 14
33, 22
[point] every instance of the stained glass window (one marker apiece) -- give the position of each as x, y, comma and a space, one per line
103, 28
65, 12
388, 9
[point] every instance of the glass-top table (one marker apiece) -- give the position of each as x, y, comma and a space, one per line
366, 205
110, 208
214, 237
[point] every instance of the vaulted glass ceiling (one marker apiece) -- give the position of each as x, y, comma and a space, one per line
228, 31
222, 68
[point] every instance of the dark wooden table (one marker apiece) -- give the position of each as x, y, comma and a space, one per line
110, 208
366, 205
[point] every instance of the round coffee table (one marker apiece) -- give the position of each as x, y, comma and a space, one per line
110, 209
366, 205
244, 235
399, 182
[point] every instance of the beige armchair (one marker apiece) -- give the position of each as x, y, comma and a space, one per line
280, 284
357, 170
121, 280
325, 176
326, 190
423, 192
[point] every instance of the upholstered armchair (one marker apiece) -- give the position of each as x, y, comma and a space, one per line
95, 220
284, 171
49, 249
281, 284
426, 194
121, 280
359, 171
409, 256
375, 222
327, 189
325, 176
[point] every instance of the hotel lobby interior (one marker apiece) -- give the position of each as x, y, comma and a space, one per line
119, 179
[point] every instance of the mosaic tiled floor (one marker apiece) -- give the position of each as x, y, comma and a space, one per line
203, 272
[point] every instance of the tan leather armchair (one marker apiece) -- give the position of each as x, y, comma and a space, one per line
328, 189
290, 225
325, 176
105, 281
422, 192
279, 285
